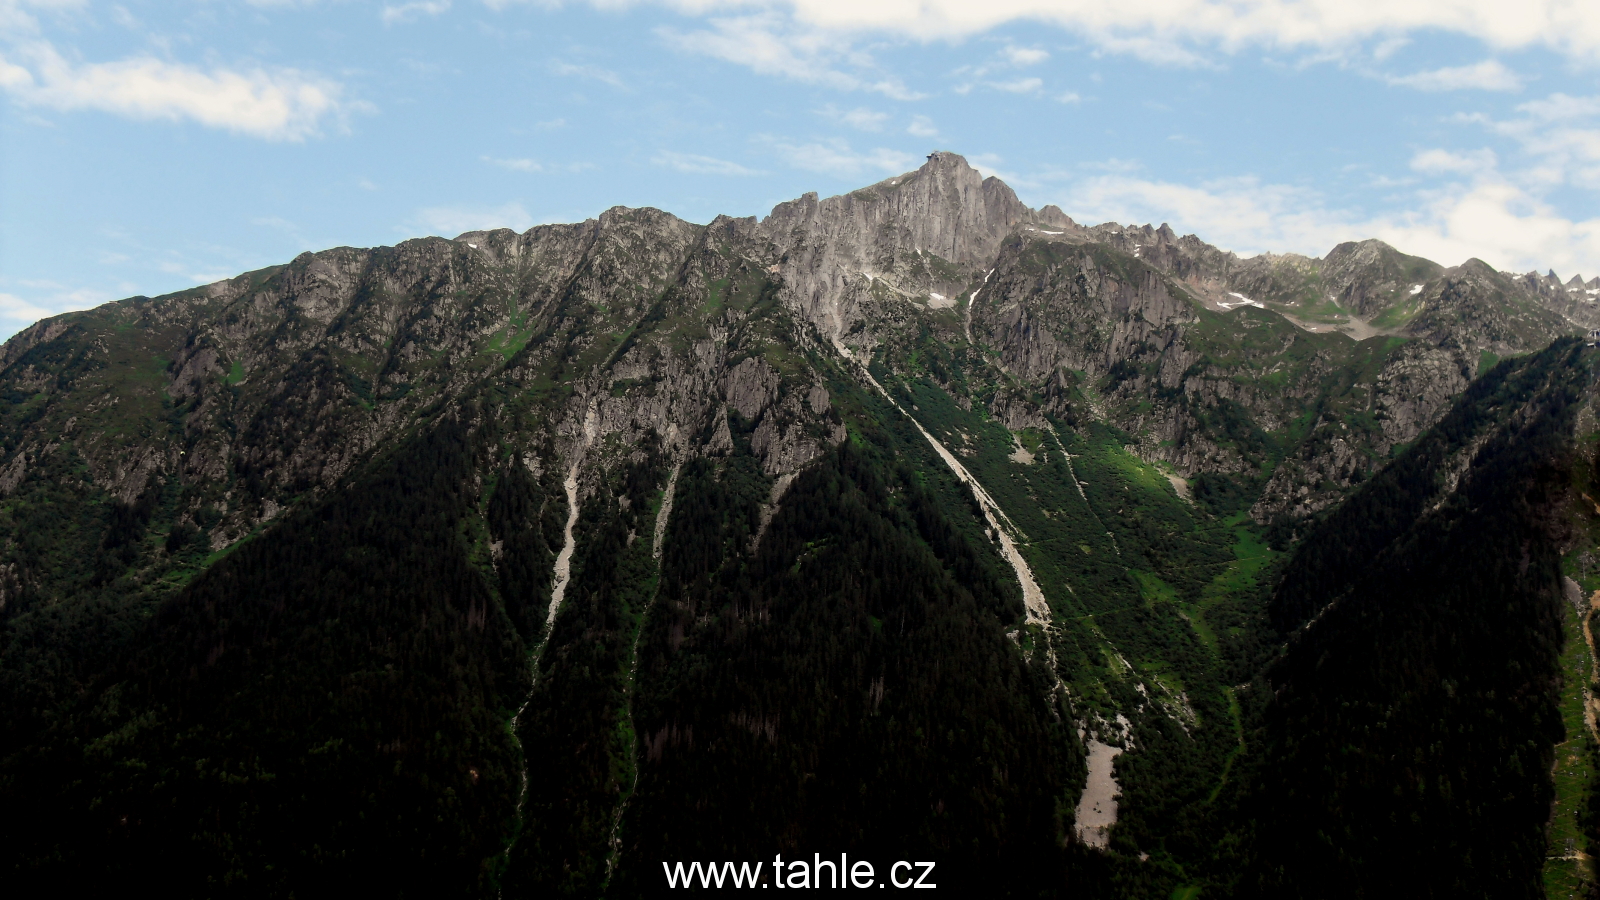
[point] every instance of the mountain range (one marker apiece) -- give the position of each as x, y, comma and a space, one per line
912, 523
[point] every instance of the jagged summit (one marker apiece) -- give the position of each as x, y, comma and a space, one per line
945, 207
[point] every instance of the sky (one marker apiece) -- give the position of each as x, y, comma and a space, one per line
147, 147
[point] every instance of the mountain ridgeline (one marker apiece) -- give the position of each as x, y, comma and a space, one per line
908, 524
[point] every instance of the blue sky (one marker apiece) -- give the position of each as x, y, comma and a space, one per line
150, 146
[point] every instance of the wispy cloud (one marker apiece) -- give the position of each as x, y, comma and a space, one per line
276, 104
1025, 56
1490, 219
48, 300
524, 164
516, 165
695, 164
585, 71
773, 45
988, 164
1468, 203
820, 41
410, 12
1437, 161
860, 117
1488, 75
922, 126
1019, 86
188, 272
1173, 30
15, 308
839, 159
1561, 136
453, 220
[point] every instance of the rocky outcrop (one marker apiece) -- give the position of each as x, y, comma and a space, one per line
897, 242
1369, 277
636, 326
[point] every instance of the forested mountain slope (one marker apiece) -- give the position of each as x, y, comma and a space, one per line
866, 527
1410, 733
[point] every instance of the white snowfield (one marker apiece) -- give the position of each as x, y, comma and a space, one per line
1416, 289
1243, 301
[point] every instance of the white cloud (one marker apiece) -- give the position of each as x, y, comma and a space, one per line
276, 104
15, 19
523, 164
771, 45
410, 12
804, 39
187, 271
1436, 161
1561, 136
1499, 223
860, 117
595, 72
922, 126
1488, 75
1390, 47
14, 307
1023, 56
1490, 219
1560, 108
837, 158
1571, 27
516, 165
988, 164
453, 220
864, 119
1069, 97
17, 313
694, 164
1019, 86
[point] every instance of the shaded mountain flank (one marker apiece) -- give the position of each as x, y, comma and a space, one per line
518, 564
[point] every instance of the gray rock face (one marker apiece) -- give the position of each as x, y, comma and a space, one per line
260, 389
904, 238
1368, 277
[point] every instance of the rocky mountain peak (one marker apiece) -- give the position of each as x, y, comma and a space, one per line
1473, 267
946, 208
1367, 250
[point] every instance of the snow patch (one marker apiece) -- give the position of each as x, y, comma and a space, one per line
1243, 301
939, 301
1416, 289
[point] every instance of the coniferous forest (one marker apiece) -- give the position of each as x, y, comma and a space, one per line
523, 573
